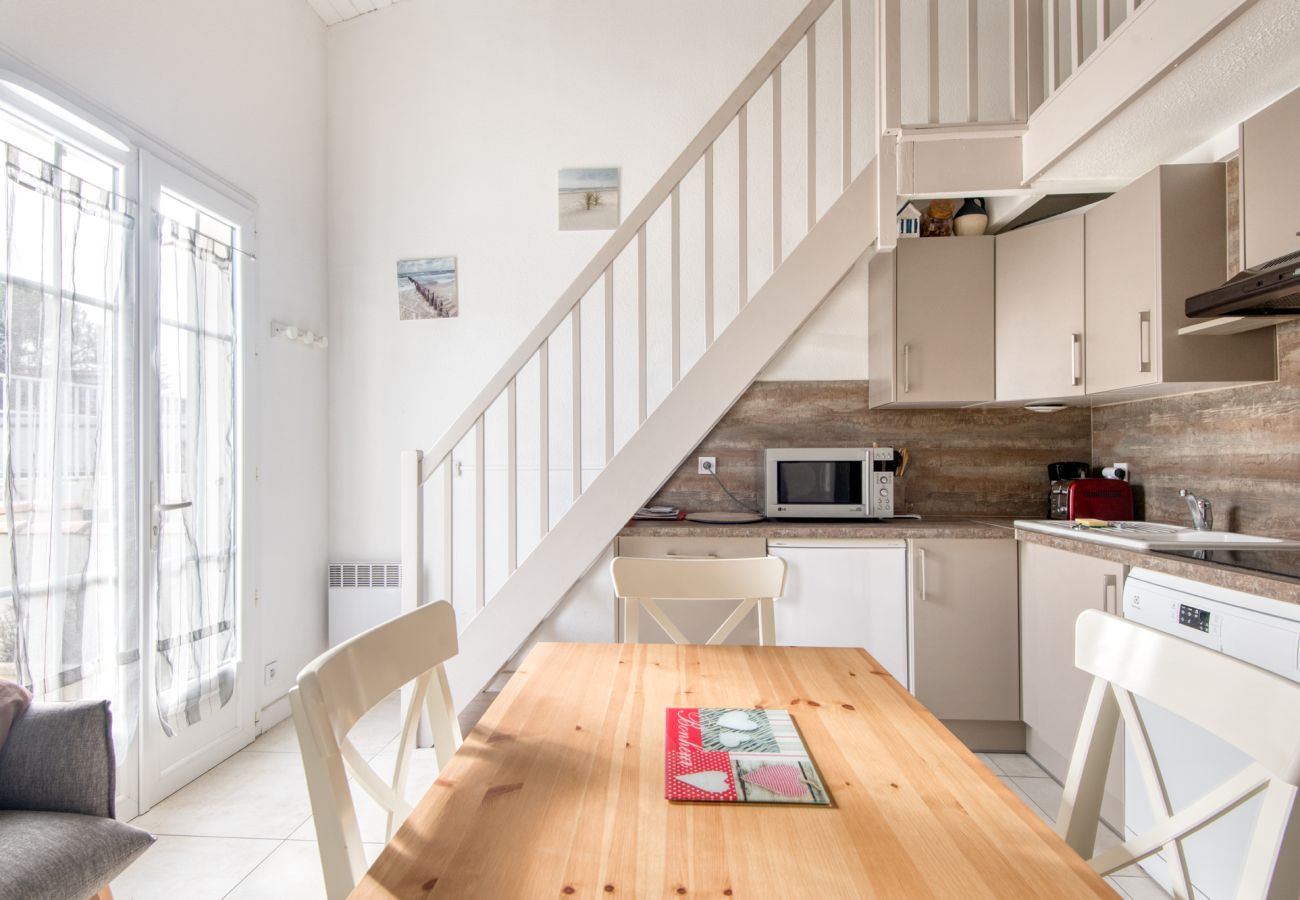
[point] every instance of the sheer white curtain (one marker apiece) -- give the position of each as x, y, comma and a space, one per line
194, 586
69, 601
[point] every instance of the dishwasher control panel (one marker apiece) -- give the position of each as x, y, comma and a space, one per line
1194, 618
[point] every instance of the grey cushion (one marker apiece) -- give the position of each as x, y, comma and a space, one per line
63, 856
59, 758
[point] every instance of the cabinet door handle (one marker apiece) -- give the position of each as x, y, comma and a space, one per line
1144, 341
907, 368
1076, 359
1109, 590
675, 555
920, 574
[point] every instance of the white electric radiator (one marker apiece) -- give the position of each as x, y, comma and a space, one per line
361, 596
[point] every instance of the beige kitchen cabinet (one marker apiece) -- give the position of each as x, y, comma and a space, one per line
1040, 303
1270, 182
1147, 248
697, 619
1055, 587
965, 639
930, 323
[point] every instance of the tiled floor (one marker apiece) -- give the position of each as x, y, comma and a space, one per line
244, 831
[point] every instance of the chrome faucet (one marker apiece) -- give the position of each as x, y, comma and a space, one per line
1202, 510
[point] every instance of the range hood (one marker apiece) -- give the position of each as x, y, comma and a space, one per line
1272, 289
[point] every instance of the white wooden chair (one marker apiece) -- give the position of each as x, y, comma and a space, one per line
1252, 709
755, 583
340, 686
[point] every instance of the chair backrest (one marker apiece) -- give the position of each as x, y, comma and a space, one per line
755, 583
334, 691
1252, 709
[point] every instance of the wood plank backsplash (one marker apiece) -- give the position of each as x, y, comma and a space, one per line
964, 461
1238, 447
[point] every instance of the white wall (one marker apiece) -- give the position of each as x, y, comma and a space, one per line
448, 122
238, 87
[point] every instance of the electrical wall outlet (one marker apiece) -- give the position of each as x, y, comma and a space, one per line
272, 668
708, 465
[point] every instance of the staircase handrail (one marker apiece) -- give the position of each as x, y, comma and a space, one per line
623, 235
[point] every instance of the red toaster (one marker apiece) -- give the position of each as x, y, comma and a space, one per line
1100, 498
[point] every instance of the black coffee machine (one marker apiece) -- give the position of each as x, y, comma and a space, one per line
1060, 474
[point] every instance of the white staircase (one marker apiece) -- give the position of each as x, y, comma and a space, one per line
938, 155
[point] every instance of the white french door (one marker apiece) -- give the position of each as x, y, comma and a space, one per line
198, 697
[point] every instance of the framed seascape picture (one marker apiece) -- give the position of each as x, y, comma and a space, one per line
588, 199
426, 288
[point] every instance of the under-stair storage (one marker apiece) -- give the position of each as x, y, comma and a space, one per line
1040, 303
1148, 248
930, 323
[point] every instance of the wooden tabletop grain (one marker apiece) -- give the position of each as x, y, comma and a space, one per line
559, 792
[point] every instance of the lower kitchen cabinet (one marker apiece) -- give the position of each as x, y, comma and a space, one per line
845, 593
966, 663
1055, 587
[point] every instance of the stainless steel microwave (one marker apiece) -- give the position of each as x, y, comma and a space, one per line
833, 483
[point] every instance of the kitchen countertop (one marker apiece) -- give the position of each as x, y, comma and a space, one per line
885, 529
1275, 587
988, 527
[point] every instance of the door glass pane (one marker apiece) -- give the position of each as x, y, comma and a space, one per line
196, 640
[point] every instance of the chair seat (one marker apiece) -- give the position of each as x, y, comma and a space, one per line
63, 856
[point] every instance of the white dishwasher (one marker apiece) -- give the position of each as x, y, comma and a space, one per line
845, 593
1257, 630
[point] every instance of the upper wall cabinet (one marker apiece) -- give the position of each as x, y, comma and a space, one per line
1270, 182
930, 323
1147, 249
1040, 306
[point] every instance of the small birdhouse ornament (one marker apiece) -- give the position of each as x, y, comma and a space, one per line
909, 221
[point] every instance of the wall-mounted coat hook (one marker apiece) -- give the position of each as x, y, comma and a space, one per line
294, 333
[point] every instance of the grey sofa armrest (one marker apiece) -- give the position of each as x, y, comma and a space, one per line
59, 758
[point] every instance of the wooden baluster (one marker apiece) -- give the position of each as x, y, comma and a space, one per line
1103, 23
932, 113
640, 327
812, 127
448, 539
846, 94
1076, 35
742, 130
776, 168
708, 247
973, 62
512, 478
676, 275
1053, 49
609, 364
577, 401
480, 514
544, 436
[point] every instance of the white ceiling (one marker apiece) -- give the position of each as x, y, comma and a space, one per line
335, 11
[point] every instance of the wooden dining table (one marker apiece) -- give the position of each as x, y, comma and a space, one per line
559, 792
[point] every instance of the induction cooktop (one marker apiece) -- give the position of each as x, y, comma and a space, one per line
1265, 560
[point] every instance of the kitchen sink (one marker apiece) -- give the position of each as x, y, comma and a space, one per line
1152, 535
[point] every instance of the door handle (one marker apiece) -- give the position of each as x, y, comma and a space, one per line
1076, 359
920, 570
907, 368
172, 507
1109, 589
1144, 341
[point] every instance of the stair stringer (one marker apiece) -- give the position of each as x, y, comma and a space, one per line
760, 329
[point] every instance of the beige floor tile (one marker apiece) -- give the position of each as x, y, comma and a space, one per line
1017, 765
1024, 798
1141, 887
1043, 791
279, 738
292, 872
251, 795
195, 868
